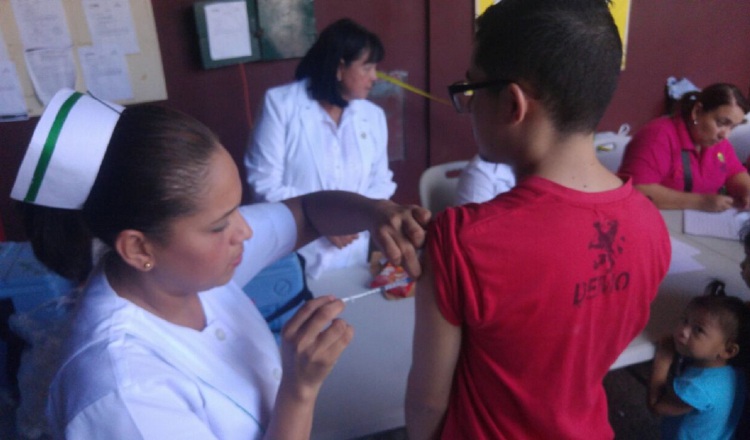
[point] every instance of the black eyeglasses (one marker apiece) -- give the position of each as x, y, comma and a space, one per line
462, 91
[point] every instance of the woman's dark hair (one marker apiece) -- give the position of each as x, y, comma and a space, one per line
342, 41
712, 97
152, 172
733, 315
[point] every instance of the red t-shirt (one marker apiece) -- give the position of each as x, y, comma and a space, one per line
549, 286
654, 155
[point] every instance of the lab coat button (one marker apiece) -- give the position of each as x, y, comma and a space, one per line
220, 335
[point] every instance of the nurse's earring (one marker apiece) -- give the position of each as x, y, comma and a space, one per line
695, 122
147, 265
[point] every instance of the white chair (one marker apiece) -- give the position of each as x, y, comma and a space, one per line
740, 139
437, 185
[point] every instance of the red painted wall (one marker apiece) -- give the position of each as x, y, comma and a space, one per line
706, 41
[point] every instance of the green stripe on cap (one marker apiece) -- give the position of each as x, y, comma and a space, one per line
49, 147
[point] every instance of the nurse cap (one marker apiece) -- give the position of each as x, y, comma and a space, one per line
66, 151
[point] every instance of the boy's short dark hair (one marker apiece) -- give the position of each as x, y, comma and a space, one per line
344, 40
568, 52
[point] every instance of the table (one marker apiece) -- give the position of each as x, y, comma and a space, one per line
721, 259
365, 391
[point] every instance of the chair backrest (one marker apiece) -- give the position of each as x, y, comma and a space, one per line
437, 185
740, 139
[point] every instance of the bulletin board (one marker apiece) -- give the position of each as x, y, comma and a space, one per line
144, 67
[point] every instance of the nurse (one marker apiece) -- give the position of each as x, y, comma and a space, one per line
164, 343
685, 161
321, 133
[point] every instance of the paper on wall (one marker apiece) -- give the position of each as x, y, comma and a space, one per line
111, 22
105, 72
228, 30
50, 70
12, 103
4, 55
41, 23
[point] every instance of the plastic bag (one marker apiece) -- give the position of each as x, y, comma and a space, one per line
678, 87
610, 146
44, 330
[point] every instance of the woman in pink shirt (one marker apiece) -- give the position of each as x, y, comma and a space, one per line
695, 136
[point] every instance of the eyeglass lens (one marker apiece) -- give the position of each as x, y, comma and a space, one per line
462, 100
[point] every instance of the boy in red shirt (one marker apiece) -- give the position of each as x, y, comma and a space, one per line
529, 298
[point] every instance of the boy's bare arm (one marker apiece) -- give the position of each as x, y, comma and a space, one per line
435, 353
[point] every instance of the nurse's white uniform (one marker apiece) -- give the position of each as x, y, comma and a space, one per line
129, 374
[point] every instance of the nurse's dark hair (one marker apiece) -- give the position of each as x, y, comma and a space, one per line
342, 41
152, 172
566, 54
733, 315
712, 97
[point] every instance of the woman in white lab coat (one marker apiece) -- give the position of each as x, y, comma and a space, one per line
320, 133
165, 344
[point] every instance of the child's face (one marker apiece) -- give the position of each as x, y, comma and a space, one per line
700, 337
745, 266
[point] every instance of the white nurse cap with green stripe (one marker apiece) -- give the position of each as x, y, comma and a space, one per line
66, 151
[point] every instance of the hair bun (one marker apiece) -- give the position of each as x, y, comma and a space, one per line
715, 288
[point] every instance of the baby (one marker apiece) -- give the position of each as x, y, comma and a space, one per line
698, 379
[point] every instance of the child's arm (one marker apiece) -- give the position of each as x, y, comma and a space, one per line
661, 397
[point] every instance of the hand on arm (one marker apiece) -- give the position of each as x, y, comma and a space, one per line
661, 397
397, 229
435, 352
667, 198
312, 342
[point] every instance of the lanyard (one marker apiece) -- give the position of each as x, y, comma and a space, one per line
410, 88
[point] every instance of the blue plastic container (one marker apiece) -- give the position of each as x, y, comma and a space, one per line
25, 280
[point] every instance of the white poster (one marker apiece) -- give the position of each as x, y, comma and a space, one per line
111, 23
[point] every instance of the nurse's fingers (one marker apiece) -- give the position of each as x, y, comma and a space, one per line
313, 341
332, 341
321, 355
402, 236
310, 320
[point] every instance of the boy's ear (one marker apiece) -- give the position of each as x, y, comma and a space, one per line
135, 249
731, 349
519, 103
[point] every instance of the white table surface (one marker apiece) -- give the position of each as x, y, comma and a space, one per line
365, 391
